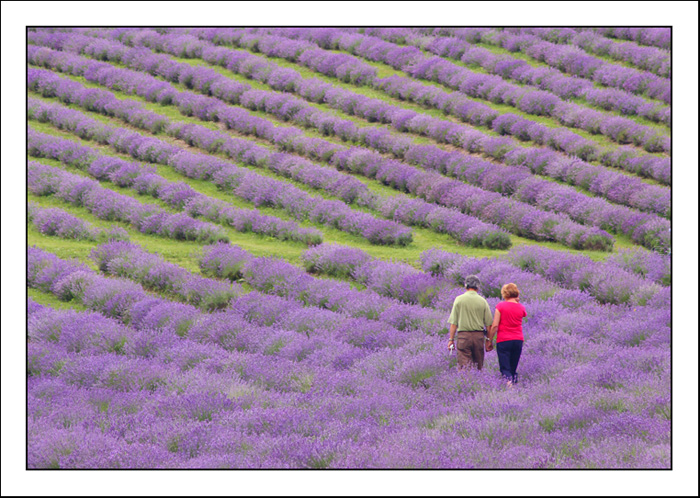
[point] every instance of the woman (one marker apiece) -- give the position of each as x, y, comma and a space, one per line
508, 328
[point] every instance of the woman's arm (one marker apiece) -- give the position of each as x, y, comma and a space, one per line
494, 326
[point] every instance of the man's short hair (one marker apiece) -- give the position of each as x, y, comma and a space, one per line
472, 282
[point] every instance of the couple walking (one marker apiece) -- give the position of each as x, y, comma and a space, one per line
471, 316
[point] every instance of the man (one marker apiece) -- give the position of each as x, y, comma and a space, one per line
470, 316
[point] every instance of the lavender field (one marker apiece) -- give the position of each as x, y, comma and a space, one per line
245, 243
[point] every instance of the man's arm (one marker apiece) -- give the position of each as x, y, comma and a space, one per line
453, 324
453, 331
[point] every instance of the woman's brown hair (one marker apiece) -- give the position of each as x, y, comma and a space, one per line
510, 291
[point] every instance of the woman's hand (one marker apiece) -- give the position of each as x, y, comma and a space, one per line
489, 345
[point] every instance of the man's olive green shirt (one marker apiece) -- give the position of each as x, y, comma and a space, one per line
470, 311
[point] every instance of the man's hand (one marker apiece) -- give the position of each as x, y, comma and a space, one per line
489, 345
450, 345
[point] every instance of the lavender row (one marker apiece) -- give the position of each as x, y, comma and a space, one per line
263, 315
145, 181
572, 60
128, 302
466, 229
108, 205
618, 187
127, 260
656, 37
657, 61
559, 266
650, 265
544, 78
405, 283
255, 188
492, 88
607, 282
289, 295
274, 276
525, 265
59, 223
335, 301
286, 79
562, 267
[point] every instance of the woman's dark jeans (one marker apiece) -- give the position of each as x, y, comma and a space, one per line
508, 358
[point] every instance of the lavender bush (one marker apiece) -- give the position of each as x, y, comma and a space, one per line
53, 221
